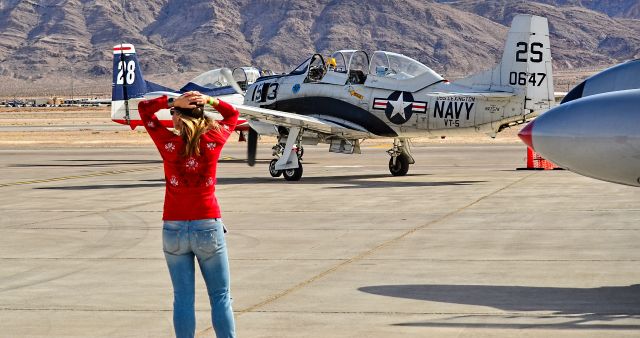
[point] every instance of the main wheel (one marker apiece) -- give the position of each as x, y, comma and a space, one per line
401, 167
272, 169
293, 174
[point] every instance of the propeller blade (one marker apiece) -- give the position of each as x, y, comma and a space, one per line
226, 73
252, 147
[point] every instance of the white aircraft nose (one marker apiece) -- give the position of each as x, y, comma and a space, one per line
596, 136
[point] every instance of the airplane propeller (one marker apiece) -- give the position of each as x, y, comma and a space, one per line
252, 139
228, 75
252, 147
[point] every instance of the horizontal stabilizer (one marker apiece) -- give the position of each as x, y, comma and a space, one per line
154, 87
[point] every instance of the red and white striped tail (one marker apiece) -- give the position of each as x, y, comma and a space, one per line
125, 48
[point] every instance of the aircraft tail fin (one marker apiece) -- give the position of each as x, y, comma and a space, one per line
127, 84
525, 68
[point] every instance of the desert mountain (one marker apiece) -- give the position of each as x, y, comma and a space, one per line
49, 40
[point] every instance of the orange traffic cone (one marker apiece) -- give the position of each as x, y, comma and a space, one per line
537, 162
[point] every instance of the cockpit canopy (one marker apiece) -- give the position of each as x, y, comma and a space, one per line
385, 70
245, 76
210, 79
397, 66
213, 79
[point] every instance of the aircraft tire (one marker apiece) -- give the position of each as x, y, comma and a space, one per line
272, 169
401, 167
293, 174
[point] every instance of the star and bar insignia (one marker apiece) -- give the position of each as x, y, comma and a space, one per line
400, 106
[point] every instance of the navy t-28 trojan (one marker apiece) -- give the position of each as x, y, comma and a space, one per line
353, 96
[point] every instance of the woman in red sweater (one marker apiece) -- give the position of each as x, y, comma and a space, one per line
192, 224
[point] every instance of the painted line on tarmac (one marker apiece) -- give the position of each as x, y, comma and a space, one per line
343, 166
102, 173
73, 177
367, 253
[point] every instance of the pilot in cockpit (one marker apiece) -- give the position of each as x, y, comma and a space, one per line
331, 64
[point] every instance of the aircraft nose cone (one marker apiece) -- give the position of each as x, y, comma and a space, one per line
526, 134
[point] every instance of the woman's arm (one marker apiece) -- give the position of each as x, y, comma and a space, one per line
148, 110
228, 112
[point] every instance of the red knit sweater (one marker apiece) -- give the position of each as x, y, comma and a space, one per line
190, 181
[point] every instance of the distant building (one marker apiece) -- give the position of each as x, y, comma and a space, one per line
55, 101
40, 102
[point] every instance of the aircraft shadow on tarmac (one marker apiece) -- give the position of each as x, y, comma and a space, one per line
580, 306
344, 182
154, 183
104, 186
348, 181
242, 160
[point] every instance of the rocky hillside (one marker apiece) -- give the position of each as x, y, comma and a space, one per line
580, 37
48, 40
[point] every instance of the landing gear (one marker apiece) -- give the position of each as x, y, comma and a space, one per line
400, 157
272, 168
401, 165
288, 153
293, 174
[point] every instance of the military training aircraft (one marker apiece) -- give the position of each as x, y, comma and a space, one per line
353, 96
594, 131
129, 87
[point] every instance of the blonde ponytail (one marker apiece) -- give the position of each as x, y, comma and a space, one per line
191, 129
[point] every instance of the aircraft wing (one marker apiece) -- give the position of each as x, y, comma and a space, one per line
317, 124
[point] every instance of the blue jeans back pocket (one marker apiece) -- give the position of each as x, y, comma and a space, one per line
170, 240
207, 240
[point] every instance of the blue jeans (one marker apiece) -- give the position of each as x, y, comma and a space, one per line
204, 240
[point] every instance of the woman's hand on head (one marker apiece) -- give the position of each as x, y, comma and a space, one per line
206, 99
191, 99
188, 100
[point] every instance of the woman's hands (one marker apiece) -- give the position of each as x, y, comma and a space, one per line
187, 100
193, 99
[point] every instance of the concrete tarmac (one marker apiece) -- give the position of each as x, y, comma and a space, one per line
464, 246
